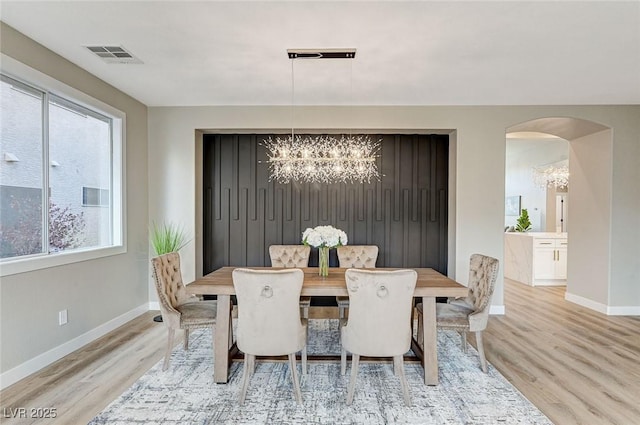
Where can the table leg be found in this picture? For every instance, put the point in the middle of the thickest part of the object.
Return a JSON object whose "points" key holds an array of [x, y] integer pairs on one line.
{"points": [[221, 343], [430, 338]]}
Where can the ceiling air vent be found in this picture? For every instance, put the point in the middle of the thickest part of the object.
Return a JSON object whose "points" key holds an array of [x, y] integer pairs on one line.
{"points": [[113, 54]]}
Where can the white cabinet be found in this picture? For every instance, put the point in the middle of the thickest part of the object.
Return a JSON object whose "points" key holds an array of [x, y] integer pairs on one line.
{"points": [[561, 259], [544, 257], [549, 260], [536, 258]]}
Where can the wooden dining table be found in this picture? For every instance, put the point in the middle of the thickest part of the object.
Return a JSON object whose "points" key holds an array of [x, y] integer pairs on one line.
{"points": [[430, 284]]}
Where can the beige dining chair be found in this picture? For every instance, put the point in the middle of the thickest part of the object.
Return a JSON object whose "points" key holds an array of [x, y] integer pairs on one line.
{"points": [[289, 256], [355, 256], [379, 323], [269, 322], [471, 313], [179, 309]]}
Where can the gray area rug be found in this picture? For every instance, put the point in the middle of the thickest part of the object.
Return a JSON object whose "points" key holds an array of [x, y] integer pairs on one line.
{"points": [[186, 393]]}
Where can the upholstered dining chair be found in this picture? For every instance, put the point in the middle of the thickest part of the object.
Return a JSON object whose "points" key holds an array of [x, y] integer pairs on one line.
{"points": [[289, 256], [179, 309], [355, 256], [269, 322], [471, 313], [379, 323]]}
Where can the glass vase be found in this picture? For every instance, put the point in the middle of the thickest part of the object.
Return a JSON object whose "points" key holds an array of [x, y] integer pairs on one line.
{"points": [[323, 261]]}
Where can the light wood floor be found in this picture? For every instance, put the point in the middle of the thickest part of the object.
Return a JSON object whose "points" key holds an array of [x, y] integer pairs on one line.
{"points": [[83, 383], [577, 366]]}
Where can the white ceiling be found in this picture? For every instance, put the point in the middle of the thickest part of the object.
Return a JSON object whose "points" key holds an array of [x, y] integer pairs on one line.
{"points": [[408, 53]]}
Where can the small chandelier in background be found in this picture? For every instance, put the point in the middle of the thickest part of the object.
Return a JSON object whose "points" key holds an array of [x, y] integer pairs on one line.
{"points": [[322, 158], [551, 176]]}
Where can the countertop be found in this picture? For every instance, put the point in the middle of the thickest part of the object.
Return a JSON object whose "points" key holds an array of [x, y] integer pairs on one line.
{"points": [[553, 235]]}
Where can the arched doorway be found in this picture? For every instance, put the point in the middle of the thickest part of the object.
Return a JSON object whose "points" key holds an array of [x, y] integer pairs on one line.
{"points": [[590, 162]]}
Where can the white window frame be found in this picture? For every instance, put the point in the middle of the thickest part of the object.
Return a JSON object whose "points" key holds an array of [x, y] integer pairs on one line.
{"points": [[10, 266]]}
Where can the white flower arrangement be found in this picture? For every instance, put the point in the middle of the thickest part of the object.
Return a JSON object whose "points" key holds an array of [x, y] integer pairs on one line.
{"points": [[324, 236]]}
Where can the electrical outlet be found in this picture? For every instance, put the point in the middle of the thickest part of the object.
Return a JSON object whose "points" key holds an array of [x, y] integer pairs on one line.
{"points": [[62, 317]]}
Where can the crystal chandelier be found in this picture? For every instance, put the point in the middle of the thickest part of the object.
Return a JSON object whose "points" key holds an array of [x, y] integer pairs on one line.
{"points": [[321, 158], [551, 176]]}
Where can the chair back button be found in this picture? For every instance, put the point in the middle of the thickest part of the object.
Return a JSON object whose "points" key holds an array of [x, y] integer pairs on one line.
{"points": [[267, 291], [382, 291]]}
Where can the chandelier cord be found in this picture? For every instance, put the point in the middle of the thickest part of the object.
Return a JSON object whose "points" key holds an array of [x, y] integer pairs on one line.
{"points": [[351, 97], [292, 98]]}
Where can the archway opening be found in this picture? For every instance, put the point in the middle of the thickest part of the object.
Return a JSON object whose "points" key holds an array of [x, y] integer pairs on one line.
{"points": [[583, 262]]}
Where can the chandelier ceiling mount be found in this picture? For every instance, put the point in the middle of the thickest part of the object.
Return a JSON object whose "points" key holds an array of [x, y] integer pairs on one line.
{"points": [[321, 53]]}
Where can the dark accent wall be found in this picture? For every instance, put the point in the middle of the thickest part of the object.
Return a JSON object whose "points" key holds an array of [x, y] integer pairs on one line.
{"points": [[405, 213]]}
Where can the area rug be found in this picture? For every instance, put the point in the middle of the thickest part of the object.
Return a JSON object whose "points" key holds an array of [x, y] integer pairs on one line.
{"points": [[186, 393]]}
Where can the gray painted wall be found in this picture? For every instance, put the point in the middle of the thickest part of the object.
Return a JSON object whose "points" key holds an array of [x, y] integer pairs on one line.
{"points": [[30, 301], [591, 189]]}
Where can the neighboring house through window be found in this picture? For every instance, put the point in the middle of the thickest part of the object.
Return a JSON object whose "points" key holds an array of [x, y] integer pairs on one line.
{"points": [[60, 159]]}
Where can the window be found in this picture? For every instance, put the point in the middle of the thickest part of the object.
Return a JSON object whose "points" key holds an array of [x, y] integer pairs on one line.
{"points": [[94, 197], [21, 177], [60, 159]]}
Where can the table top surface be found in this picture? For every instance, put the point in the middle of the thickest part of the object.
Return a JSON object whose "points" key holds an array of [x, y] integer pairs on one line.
{"points": [[430, 283]]}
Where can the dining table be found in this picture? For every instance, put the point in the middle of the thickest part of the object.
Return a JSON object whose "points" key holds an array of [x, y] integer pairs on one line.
{"points": [[430, 285]]}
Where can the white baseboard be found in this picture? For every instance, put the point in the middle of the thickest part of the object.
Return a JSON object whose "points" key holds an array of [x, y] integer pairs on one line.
{"points": [[154, 305], [35, 364], [630, 310], [497, 309], [586, 302], [549, 282]]}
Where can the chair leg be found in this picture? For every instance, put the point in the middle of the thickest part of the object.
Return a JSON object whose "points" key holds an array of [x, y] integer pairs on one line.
{"points": [[463, 341], [246, 375], [305, 312], [341, 312], [304, 361], [398, 366], [186, 339], [213, 340], [230, 327], [343, 352], [167, 355], [420, 331], [354, 375], [294, 378], [480, 344]]}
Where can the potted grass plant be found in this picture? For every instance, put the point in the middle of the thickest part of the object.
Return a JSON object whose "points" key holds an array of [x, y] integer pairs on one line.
{"points": [[166, 238]]}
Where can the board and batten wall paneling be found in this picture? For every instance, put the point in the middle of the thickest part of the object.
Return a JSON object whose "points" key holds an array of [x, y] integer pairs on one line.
{"points": [[404, 214]]}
